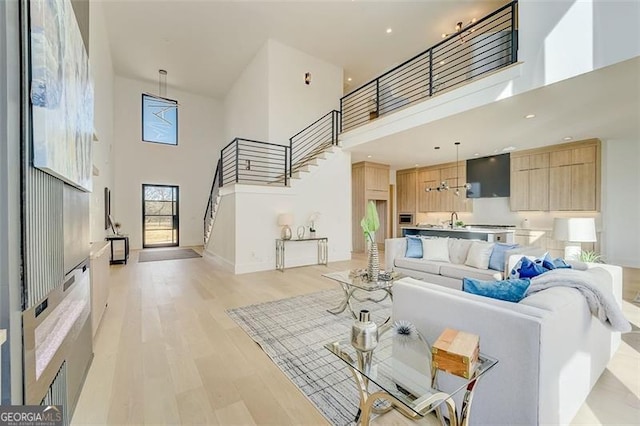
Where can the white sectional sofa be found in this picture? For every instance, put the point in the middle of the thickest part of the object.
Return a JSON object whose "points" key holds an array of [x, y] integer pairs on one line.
{"points": [[550, 349], [449, 274]]}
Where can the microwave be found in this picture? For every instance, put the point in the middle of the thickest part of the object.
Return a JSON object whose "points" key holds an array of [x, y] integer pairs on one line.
{"points": [[405, 218]]}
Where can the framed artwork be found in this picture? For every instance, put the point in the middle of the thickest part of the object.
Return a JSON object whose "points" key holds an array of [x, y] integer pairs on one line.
{"points": [[159, 120], [61, 94]]}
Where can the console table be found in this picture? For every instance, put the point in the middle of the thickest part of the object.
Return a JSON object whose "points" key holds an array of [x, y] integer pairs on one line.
{"points": [[125, 253], [323, 250]]}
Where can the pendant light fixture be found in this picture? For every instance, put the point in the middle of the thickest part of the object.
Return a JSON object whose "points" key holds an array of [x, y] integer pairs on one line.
{"points": [[461, 30], [444, 186]]}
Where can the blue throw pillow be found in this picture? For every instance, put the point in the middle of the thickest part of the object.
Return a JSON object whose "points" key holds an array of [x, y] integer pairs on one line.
{"points": [[497, 259], [546, 262], [414, 247], [527, 268], [512, 290]]}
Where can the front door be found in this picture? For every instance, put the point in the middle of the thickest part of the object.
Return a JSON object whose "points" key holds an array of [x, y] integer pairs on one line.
{"points": [[160, 220]]}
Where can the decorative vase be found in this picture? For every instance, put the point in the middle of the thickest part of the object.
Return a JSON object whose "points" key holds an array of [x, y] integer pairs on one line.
{"points": [[301, 232], [373, 265], [364, 333]]}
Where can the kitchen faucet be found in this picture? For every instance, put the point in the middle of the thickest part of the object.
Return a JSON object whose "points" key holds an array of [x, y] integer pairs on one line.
{"points": [[452, 222]]}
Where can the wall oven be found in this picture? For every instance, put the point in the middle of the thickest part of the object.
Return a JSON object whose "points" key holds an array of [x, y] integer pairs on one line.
{"points": [[405, 219]]}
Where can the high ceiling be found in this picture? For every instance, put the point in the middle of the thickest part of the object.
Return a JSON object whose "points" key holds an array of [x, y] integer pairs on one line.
{"points": [[204, 45]]}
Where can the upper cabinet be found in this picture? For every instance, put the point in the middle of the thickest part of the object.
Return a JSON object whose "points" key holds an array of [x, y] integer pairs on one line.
{"points": [[558, 178], [411, 184], [406, 190], [574, 178], [529, 181]]}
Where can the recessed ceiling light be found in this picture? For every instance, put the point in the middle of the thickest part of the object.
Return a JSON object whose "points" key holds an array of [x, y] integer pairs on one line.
{"points": [[441, 62], [416, 165], [368, 156], [475, 154], [389, 30], [349, 79], [567, 138], [530, 116], [508, 148], [495, 151]]}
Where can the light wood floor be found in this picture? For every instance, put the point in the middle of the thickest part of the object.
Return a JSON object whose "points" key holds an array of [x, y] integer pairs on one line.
{"points": [[166, 352]]}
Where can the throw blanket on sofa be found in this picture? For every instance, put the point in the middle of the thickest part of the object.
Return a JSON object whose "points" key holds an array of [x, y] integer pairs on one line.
{"points": [[601, 302]]}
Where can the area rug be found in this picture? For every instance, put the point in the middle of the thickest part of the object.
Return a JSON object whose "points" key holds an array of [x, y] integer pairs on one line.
{"points": [[155, 255], [293, 331]]}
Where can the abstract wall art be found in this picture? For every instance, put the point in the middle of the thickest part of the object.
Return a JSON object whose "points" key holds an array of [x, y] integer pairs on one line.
{"points": [[61, 94]]}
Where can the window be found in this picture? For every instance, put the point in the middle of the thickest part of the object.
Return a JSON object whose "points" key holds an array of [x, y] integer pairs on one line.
{"points": [[159, 120]]}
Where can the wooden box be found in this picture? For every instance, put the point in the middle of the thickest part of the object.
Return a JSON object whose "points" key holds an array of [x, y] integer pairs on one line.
{"points": [[456, 352]]}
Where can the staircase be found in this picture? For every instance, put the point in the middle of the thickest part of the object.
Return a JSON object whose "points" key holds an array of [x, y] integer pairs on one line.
{"points": [[263, 163], [212, 204]]}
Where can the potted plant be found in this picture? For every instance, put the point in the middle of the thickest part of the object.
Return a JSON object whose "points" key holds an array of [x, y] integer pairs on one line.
{"points": [[370, 224]]}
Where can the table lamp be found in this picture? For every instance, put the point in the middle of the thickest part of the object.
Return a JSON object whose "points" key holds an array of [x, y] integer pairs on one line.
{"points": [[574, 231], [285, 220]]}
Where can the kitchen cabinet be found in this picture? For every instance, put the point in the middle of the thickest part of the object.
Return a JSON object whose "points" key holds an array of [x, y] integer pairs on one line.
{"points": [[529, 182], [574, 178], [369, 182], [406, 191], [442, 201], [558, 178]]}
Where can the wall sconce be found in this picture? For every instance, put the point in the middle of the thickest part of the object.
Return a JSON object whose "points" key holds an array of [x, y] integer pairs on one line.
{"points": [[307, 78], [460, 30]]}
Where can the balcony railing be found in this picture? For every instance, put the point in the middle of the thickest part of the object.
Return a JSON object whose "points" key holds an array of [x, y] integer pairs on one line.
{"points": [[254, 162], [482, 47]]}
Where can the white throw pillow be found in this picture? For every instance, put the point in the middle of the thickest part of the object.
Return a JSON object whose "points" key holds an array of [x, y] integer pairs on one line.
{"points": [[435, 249], [479, 255]]}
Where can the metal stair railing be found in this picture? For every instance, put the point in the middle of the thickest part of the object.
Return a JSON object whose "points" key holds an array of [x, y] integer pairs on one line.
{"points": [[212, 204], [488, 44], [313, 140]]}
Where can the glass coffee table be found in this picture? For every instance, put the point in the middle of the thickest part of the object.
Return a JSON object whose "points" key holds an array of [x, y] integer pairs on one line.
{"points": [[402, 371], [351, 282]]}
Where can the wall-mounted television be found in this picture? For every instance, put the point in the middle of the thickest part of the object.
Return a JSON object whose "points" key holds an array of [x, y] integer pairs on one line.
{"points": [[489, 176]]}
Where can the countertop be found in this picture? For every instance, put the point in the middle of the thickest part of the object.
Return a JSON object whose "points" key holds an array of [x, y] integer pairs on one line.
{"points": [[477, 230]]}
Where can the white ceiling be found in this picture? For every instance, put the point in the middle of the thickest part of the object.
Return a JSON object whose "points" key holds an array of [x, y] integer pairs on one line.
{"points": [[204, 45], [602, 104]]}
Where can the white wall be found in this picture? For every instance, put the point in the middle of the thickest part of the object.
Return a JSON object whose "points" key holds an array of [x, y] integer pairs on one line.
{"points": [[559, 40], [246, 109], [255, 210], [190, 164], [621, 201], [222, 241], [270, 102], [103, 83], [293, 105]]}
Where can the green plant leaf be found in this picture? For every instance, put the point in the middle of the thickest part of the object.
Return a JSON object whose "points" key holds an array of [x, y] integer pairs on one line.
{"points": [[370, 222], [591, 257]]}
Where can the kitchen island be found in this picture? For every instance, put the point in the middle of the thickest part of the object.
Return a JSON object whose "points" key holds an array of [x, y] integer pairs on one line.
{"points": [[502, 235]]}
